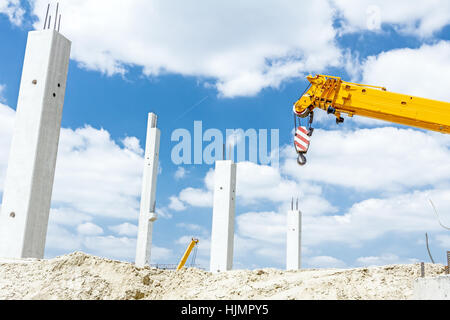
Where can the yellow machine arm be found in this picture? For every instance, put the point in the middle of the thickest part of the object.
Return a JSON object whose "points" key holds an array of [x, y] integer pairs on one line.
{"points": [[339, 97], [187, 253]]}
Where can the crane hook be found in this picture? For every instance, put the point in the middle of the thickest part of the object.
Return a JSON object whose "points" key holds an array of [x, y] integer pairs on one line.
{"points": [[302, 138], [301, 159]]}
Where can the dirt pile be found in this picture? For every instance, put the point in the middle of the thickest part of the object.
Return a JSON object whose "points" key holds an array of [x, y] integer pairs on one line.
{"points": [[82, 276]]}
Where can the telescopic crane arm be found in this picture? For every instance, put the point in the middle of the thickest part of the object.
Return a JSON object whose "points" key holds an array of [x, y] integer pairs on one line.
{"points": [[339, 97]]}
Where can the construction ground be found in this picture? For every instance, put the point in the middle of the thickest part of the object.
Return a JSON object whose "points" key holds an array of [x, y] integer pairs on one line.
{"points": [[80, 276]]}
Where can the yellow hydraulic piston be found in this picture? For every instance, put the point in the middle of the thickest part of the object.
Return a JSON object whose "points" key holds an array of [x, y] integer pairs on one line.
{"points": [[340, 97], [187, 253]]}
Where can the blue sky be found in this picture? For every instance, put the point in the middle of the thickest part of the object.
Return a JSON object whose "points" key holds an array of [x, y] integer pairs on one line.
{"points": [[364, 193]]}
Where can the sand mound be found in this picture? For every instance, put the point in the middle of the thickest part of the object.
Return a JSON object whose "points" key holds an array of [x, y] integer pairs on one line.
{"points": [[82, 276]]}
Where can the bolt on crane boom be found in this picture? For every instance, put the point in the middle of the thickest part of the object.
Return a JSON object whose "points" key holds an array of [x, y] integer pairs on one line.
{"points": [[339, 97]]}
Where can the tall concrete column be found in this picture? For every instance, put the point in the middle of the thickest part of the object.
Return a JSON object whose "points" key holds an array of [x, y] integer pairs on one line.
{"points": [[32, 159], [222, 235], [293, 239], [148, 195]]}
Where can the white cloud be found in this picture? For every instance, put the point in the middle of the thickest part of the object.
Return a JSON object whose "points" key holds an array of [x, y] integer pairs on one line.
{"points": [[325, 262], [13, 10], [421, 18], [161, 255], [256, 184], [262, 226], [2, 90], [92, 172], [132, 144], [125, 229], [110, 246], [163, 213], [68, 217], [89, 229], [381, 159], [384, 259], [250, 252], [443, 240], [180, 173], [176, 204], [411, 71], [190, 226], [61, 239], [368, 220], [122, 248], [240, 47], [196, 197], [408, 213]]}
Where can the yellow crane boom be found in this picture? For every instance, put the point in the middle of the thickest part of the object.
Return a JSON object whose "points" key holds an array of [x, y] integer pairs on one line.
{"points": [[339, 97], [187, 253]]}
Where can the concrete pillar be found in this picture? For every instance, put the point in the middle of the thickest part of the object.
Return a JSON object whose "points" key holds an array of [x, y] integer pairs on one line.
{"points": [[293, 239], [148, 195], [222, 235], [432, 288], [32, 159]]}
